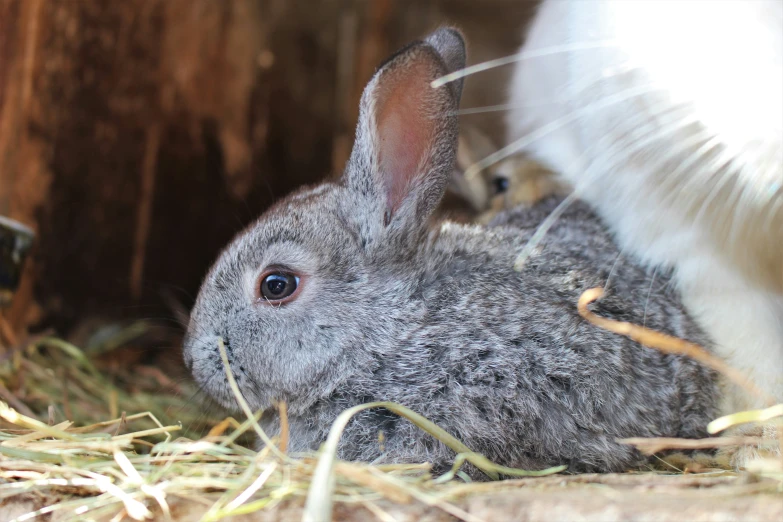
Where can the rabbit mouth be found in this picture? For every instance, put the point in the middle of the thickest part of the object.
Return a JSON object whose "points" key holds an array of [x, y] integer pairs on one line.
{"points": [[211, 374], [219, 387]]}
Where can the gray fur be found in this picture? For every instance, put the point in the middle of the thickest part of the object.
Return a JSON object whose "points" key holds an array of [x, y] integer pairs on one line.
{"points": [[436, 319]]}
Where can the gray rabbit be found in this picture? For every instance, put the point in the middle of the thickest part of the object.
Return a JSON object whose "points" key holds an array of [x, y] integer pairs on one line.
{"points": [[346, 293]]}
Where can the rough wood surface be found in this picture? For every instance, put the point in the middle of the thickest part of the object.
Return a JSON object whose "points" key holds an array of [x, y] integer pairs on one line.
{"points": [[600, 498]]}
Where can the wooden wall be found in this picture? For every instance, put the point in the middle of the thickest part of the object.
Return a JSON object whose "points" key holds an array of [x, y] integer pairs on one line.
{"points": [[137, 137]]}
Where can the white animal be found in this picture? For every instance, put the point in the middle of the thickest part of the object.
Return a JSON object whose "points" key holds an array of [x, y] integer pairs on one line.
{"points": [[667, 116]]}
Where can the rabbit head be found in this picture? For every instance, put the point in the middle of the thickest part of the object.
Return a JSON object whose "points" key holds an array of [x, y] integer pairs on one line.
{"points": [[517, 180], [336, 253]]}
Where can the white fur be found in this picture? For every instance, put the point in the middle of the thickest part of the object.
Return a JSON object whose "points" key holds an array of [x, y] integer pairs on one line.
{"points": [[668, 117]]}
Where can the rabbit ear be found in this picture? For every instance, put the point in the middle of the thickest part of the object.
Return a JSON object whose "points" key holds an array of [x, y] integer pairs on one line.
{"points": [[406, 137], [450, 45]]}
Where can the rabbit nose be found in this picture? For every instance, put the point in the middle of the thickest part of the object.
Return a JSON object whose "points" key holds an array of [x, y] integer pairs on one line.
{"points": [[190, 346]]}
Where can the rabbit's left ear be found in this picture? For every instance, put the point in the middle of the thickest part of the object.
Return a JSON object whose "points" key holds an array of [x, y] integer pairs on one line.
{"points": [[406, 139]]}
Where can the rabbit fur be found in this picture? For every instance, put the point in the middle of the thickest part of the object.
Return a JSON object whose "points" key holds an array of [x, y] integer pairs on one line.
{"points": [[667, 117], [390, 308]]}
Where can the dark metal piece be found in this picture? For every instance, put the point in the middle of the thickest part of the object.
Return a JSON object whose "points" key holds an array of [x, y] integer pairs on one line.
{"points": [[15, 241]]}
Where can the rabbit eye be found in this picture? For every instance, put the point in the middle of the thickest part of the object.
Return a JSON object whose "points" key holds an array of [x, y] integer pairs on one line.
{"points": [[500, 184], [278, 286]]}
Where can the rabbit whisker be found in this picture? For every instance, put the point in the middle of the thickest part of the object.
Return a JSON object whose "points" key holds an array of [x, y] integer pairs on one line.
{"points": [[524, 55], [549, 128]]}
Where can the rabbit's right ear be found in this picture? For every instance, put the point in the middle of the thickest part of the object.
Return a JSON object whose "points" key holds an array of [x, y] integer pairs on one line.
{"points": [[406, 139]]}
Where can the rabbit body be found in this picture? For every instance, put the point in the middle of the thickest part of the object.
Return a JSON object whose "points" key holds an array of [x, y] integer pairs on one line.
{"points": [[667, 117], [385, 307], [502, 359]]}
